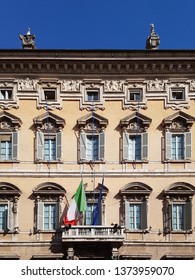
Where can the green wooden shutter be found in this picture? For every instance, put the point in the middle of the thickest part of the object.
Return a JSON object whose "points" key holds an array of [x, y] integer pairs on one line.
{"points": [[101, 145], [10, 216], [40, 215], [144, 137], [144, 223], [40, 145], [168, 137], [59, 145], [82, 146], [125, 145], [15, 145], [188, 215], [188, 144]]}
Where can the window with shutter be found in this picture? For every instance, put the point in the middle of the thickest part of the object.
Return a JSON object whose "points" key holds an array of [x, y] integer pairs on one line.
{"points": [[178, 201], [135, 206], [178, 138]]}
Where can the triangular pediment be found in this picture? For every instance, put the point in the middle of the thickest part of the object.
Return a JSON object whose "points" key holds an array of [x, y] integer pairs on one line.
{"points": [[136, 118], [49, 117], [10, 119], [92, 117], [179, 116]]}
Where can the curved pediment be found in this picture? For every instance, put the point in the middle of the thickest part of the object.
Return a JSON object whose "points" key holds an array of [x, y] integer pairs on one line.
{"points": [[9, 189], [48, 189], [136, 188], [180, 188]]}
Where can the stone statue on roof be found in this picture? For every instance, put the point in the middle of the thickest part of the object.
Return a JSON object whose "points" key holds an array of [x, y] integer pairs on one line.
{"points": [[28, 40], [153, 41]]}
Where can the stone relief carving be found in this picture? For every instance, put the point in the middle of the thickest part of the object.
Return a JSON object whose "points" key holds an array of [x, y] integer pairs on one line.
{"points": [[5, 125], [70, 85], [27, 85], [155, 85], [192, 85], [113, 86]]}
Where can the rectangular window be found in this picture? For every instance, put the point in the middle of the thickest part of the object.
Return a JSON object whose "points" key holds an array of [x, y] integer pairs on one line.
{"points": [[135, 216], [6, 94], [135, 147], [178, 217], [6, 149], [50, 95], [135, 95], [49, 148], [89, 215], [92, 147], [49, 216], [92, 95], [177, 146], [178, 94], [3, 216], [9, 146]]}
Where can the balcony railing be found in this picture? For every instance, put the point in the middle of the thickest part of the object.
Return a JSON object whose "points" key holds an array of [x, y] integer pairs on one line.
{"points": [[93, 233]]}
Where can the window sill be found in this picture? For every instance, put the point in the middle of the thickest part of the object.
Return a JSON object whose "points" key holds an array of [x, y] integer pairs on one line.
{"points": [[136, 230], [9, 161], [92, 161], [48, 161], [189, 231], [135, 161], [177, 161]]}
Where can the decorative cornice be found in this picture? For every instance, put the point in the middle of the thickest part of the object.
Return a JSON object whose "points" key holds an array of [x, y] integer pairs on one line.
{"points": [[102, 62]]}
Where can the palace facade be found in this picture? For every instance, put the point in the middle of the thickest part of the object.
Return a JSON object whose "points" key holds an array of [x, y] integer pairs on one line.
{"points": [[127, 116]]}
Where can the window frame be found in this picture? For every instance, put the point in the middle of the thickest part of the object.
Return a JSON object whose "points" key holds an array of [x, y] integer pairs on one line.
{"points": [[14, 146], [10, 95], [83, 146], [143, 215], [143, 146], [187, 146], [91, 91], [41, 217], [135, 92]]}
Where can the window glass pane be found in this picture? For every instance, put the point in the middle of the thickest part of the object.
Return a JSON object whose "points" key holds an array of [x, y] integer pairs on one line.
{"points": [[178, 217], [5, 94], [6, 150], [50, 149], [49, 216], [92, 147], [135, 147], [92, 95], [3, 216], [135, 216], [89, 215], [177, 146]]}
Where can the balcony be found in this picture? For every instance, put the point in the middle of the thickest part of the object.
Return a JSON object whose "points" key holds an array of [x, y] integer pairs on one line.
{"points": [[93, 233]]}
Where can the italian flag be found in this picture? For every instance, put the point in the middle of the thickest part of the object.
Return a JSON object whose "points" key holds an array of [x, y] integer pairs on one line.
{"points": [[77, 206]]}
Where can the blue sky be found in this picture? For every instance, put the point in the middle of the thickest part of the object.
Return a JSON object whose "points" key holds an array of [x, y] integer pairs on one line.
{"points": [[98, 24]]}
